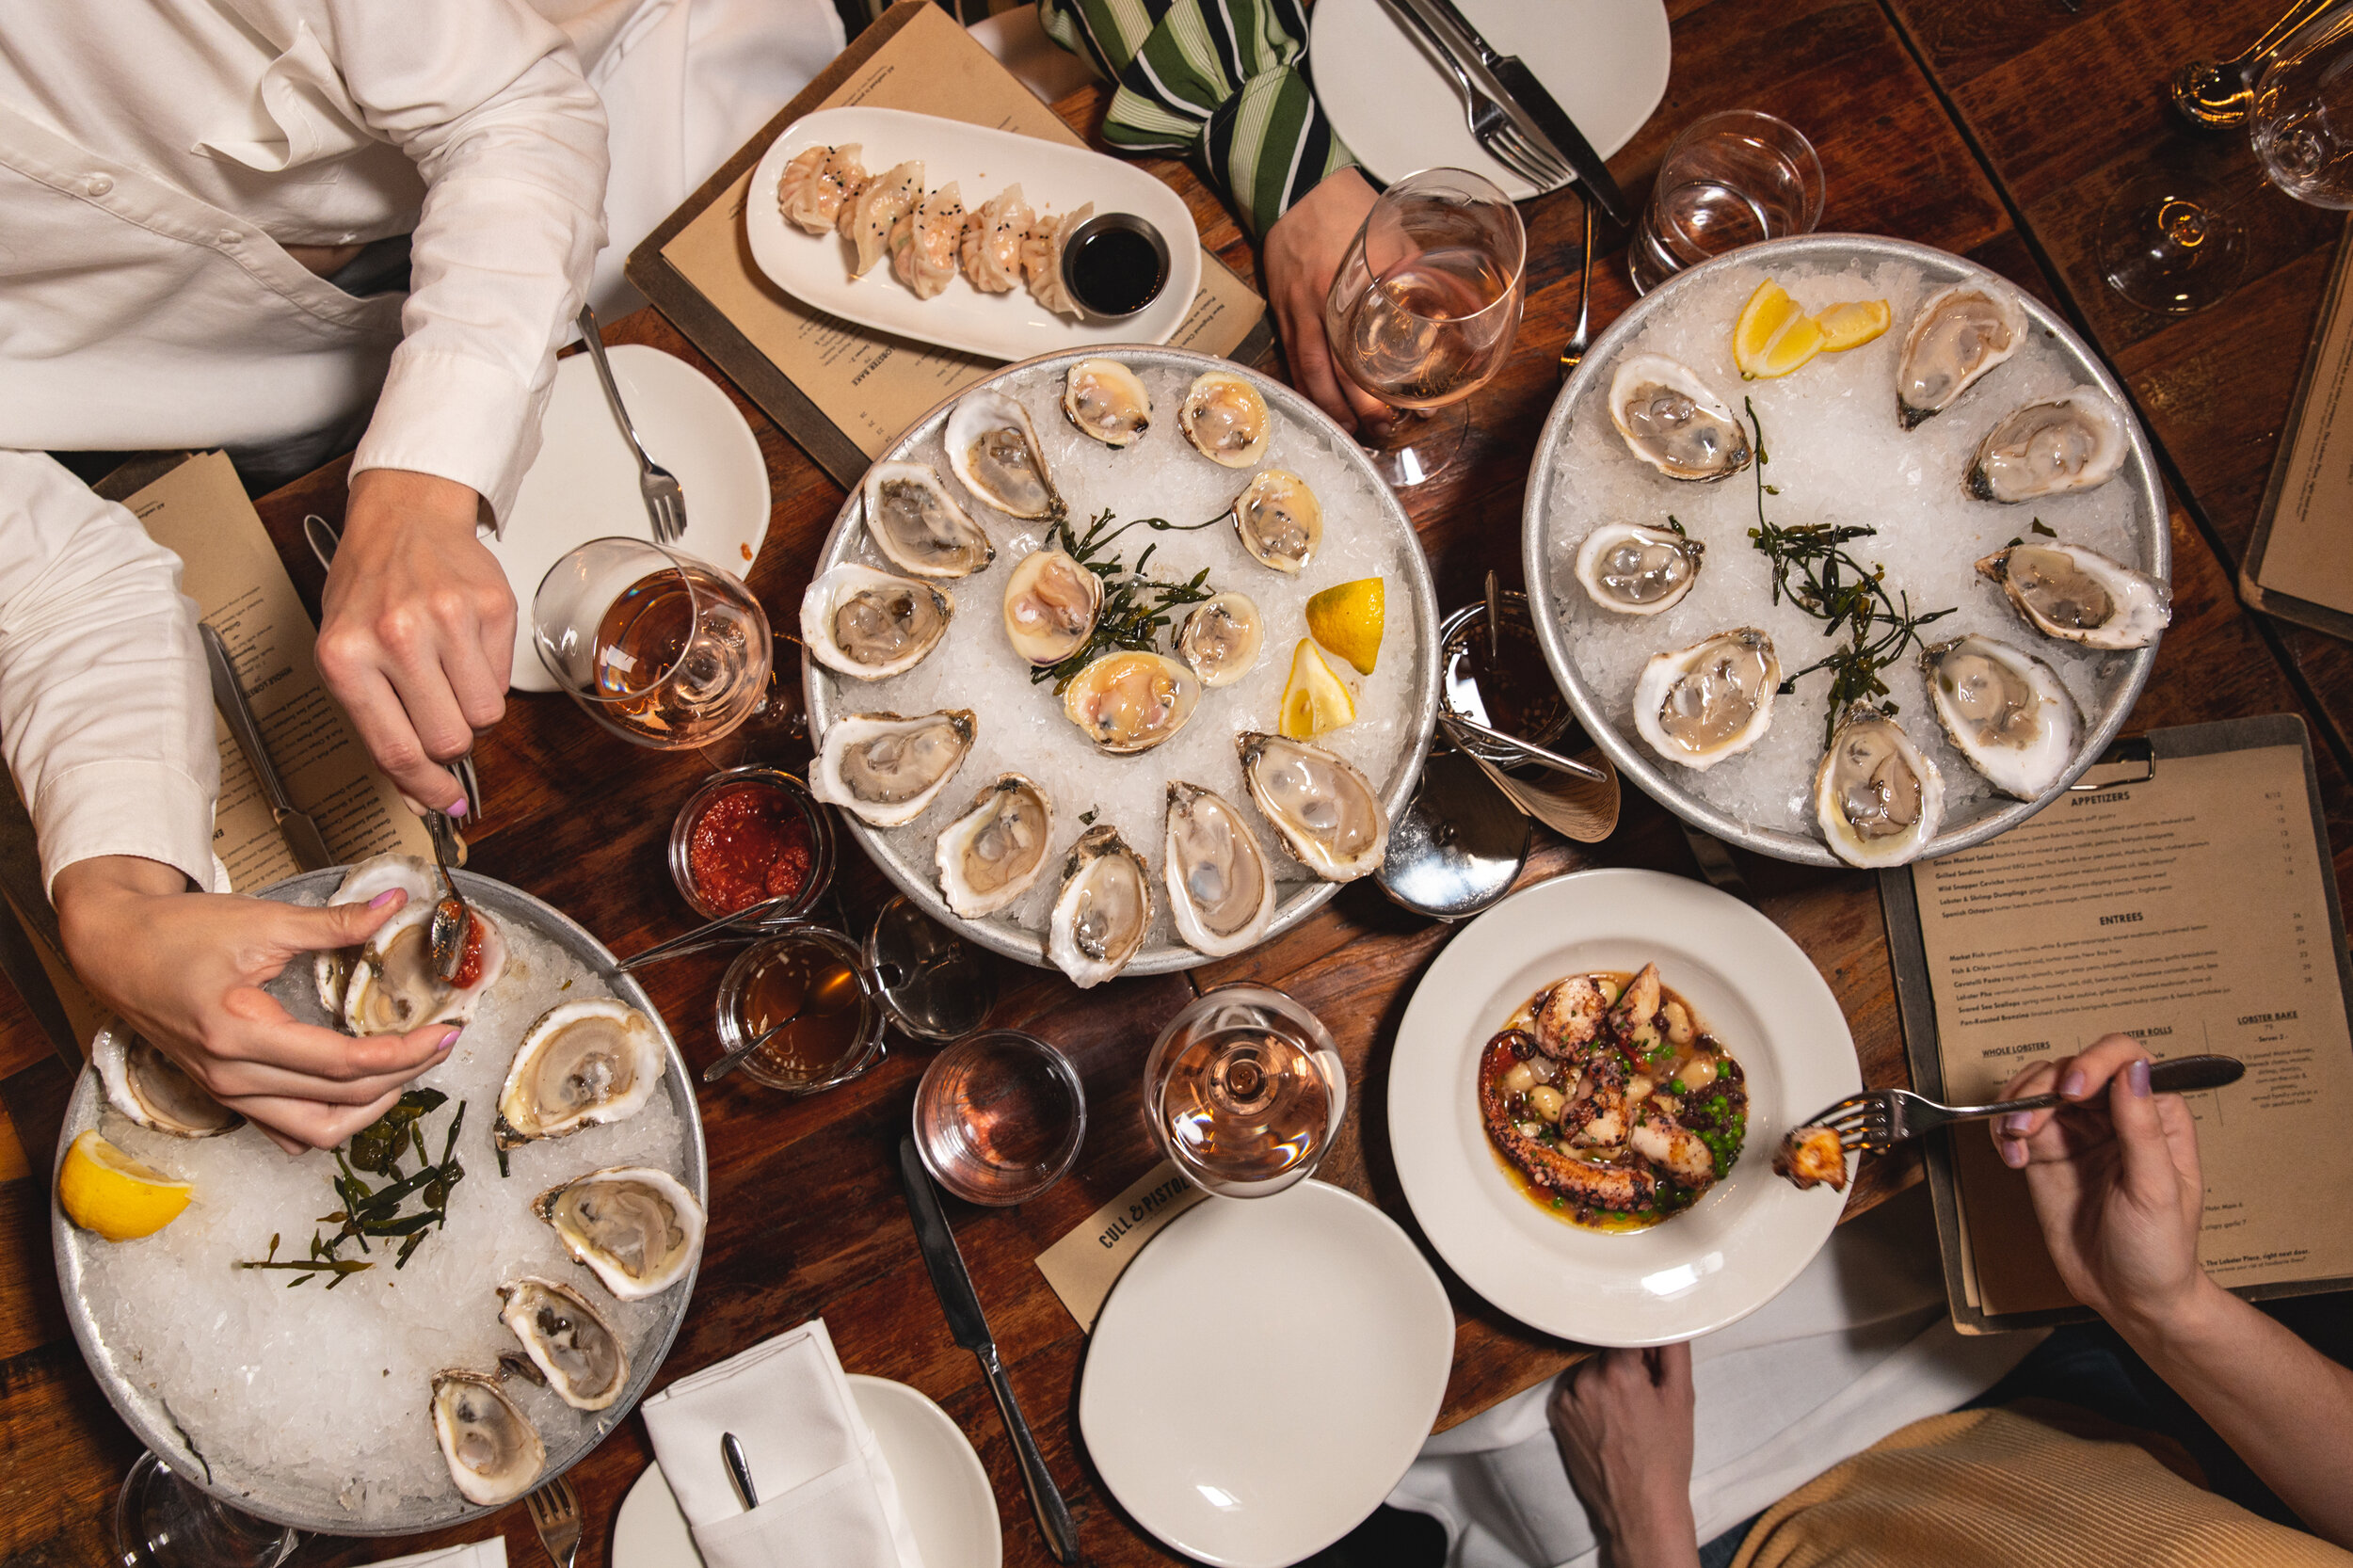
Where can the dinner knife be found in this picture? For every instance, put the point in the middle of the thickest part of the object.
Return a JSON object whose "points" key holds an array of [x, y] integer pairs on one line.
{"points": [[1519, 89], [969, 1325], [301, 833]]}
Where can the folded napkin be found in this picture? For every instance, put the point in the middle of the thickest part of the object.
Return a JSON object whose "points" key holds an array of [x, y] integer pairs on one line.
{"points": [[827, 1496], [482, 1554]]}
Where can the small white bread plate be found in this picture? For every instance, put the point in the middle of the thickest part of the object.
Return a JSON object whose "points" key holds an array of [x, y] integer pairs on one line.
{"points": [[1604, 61], [1053, 176], [1755, 989], [584, 484], [941, 1484], [1263, 1374]]}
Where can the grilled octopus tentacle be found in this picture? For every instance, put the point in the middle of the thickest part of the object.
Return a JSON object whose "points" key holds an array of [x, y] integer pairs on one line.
{"points": [[1591, 1186]]}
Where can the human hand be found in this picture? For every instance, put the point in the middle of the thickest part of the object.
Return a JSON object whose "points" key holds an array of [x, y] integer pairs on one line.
{"points": [[2115, 1181], [1622, 1421], [185, 970], [417, 629], [1300, 256]]}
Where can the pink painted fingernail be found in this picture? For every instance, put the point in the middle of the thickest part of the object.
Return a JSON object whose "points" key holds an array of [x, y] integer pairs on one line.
{"points": [[458, 810], [2013, 1154], [380, 899], [2072, 1086], [450, 1039], [2137, 1078], [2018, 1123]]}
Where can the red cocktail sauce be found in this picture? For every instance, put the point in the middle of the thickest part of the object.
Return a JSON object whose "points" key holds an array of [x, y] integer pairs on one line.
{"points": [[470, 957], [750, 844]]}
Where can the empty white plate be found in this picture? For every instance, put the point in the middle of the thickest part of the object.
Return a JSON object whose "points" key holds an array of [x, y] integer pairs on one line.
{"points": [[584, 484], [1263, 1374]]}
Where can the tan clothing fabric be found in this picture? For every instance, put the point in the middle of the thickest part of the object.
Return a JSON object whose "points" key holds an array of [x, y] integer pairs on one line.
{"points": [[1998, 1488]]}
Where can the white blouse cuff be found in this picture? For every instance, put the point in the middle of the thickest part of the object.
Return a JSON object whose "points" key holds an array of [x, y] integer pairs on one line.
{"points": [[458, 417], [149, 809]]}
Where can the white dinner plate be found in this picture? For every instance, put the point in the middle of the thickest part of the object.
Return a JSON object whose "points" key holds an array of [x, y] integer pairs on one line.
{"points": [[1605, 61], [1053, 176], [941, 1484], [1755, 989], [584, 484], [1263, 1374]]}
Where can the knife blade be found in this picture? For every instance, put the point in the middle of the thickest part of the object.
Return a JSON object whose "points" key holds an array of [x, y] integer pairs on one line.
{"points": [[968, 1325], [301, 834], [1519, 89]]}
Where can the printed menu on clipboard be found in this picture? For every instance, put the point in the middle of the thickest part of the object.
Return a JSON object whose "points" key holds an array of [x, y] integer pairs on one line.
{"points": [[2194, 908]]}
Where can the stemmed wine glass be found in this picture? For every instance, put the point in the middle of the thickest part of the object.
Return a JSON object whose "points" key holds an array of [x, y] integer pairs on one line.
{"points": [[2175, 245], [1244, 1090], [1423, 309]]}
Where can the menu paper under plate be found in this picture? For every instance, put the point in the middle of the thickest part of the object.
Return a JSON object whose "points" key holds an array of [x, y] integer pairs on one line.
{"points": [[2297, 565], [1084, 1265]]}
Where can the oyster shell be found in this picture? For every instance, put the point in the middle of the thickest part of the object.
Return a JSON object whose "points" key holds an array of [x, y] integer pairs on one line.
{"points": [[1222, 638], [990, 855], [2074, 442], [1104, 910], [495, 1452], [1877, 797], [1226, 419], [1714, 699], [2067, 591], [1051, 605], [1634, 570], [567, 1340], [994, 448], [582, 1063], [1672, 420], [1221, 890], [919, 525], [394, 987], [1957, 335], [1280, 520], [1132, 701], [149, 1087], [885, 768], [1328, 814], [2006, 711], [365, 881], [639, 1228], [870, 624], [1107, 400]]}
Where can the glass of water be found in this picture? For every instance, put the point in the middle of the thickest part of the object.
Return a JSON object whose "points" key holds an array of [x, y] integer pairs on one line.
{"points": [[164, 1522], [1244, 1089], [999, 1116], [1729, 180]]}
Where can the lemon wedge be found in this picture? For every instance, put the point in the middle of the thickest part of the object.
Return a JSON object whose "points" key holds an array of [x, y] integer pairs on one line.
{"points": [[104, 1190], [1851, 324], [1348, 619], [1314, 699], [1774, 335]]}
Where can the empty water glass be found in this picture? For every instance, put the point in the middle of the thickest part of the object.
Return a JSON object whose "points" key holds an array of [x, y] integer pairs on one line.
{"points": [[164, 1522], [1729, 180]]}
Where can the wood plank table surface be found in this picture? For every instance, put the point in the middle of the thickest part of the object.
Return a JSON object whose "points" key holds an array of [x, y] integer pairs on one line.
{"points": [[1987, 127]]}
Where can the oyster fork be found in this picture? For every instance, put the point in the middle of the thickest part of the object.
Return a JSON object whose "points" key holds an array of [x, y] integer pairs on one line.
{"points": [[665, 504], [1877, 1119], [556, 1515], [1573, 352]]}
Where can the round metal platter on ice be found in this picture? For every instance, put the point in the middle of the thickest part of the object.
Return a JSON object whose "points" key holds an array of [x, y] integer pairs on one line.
{"points": [[247, 1481], [1411, 636], [1556, 513]]}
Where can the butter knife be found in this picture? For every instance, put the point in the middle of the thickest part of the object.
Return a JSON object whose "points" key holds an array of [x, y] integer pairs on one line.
{"points": [[969, 1325], [301, 833]]}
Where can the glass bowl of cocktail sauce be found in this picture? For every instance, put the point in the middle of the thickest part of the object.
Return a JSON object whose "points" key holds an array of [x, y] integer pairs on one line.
{"points": [[1507, 686], [809, 980], [750, 834]]}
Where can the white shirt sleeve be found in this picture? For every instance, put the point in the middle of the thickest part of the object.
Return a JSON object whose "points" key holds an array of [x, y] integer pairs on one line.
{"points": [[490, 102], [105, 708]]}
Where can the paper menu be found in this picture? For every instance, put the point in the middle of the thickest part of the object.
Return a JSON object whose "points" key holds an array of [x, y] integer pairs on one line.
{"points": [[2298, 564]]}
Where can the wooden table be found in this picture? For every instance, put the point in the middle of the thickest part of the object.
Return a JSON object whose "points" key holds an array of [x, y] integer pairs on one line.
{"points": [[1987, 127]]}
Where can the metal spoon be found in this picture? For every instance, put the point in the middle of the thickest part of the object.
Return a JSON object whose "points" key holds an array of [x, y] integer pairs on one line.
{"points": [[718, 933], [451, 917], [734, 1059], [1552, 759]]}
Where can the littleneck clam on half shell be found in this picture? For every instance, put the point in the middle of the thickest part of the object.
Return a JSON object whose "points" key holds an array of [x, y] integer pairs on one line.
{"points": [[2081, 596], [1221, 889], [1714, 699], [149, 1087], [1958, 335], [885, 768], [919, 526], [2069, 443], [1051, 605], [1279, 519], [991, 854], [394, 986], [1877, 797], [639, 1228], [870, 624], [994, 448], [567, 1340], [1108, 401], [1674, 422], [1632, 571], [1327, 814], [1132, 701], [1222, 638], [2006, 711], [1226, 419], [582, 1063], [495, 1452], [1104, 910]]}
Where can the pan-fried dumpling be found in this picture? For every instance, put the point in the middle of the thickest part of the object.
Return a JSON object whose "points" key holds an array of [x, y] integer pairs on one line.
{"points": [[924, 242], [866, 221], [1041, 258], [992, 244], [819, 185]]}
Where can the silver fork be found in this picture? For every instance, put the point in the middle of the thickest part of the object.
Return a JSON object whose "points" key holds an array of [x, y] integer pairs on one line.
{"points": [[1877, 1119], [555, 1513], [665, 504], [1489, 125], [1573, 352]]}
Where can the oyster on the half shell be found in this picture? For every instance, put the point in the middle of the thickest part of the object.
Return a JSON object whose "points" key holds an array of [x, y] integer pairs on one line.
{"points": [[1633, 571], [994, 448], [1877, 797], [1674, 422], [495, 1454], [2007, 712], [149, 1087], [870, 624], [919, 526], [990, 855], [1226, 419], [567, 1340], [582, 1063], [365, 881], [639, 1228], [394, 986], [1957, 335], [1132, 701], [1714, 699], [2068, 443], [1051, 605], [1221, 889], [1107, 400], [2081, 596], [1104, 910], [1327, 814], [885, 768]]}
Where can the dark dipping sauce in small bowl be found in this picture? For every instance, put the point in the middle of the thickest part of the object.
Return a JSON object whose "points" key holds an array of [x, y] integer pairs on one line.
{"points": [[1116, 272], [1514, 694], [806, 980]]}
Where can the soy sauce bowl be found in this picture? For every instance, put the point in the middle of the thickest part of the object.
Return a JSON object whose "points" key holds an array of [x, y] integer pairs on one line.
{"points": [[1109, 275]]}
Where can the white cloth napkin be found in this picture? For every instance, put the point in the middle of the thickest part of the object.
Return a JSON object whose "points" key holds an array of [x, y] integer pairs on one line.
{"points": [[826, 1496], [482, 1554]]}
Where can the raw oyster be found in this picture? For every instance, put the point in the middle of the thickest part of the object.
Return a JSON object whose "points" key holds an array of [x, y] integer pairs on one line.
{"points": [[1104, 910], [870, 624], [1051, 605], [1636, 570], [639, 1228], [1280, 520], [1714, 699], [567, 1340], [918, 524], [2005, 710], [582, 1063], [394, 987], [149, 1087], [989, 855], [1673, 421], [1957, 335], [2064, 590], [1132, 701], [1877, 797], [1221, 890], [1227, 418], [1107, 400], [1222, 638], [885, 768], [1328, 814], [2069, 443], [995, 451], [365, 883], [495, 1452]]}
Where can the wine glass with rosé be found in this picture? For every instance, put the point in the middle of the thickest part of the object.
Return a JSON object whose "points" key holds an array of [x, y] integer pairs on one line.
{"points": [[1244, 1090]]}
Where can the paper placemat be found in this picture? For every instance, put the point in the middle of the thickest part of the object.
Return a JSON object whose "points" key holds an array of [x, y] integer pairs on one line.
{"points": [[1084, 1265]]}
